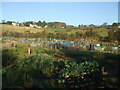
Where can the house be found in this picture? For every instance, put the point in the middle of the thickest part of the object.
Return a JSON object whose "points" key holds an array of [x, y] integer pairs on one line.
{"points": [[14, 24], [45, 26], [119, 26], [33, 25]]}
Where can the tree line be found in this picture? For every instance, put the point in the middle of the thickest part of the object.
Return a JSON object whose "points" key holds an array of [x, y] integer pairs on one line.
{"points": [[57, 25]]}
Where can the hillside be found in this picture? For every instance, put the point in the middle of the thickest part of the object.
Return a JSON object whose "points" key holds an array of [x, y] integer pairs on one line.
{"points": [[101, 31], [20, 29]]}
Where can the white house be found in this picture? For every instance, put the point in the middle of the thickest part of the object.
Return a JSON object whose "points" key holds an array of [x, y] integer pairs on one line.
{"points": [[45, 26], [33, 25], [119, 26], [14, 24]]}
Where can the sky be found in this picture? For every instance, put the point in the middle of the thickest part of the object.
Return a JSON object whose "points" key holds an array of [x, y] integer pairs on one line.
{"points": [[72, 13]]}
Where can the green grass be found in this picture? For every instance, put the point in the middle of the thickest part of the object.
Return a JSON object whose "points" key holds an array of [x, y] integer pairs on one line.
{"points": [[22, 50], [103, 32], [52, 29], [55, 29]]}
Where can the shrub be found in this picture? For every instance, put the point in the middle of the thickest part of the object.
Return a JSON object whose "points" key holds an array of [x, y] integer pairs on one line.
{"points": [[47, 65], [8, 57]]}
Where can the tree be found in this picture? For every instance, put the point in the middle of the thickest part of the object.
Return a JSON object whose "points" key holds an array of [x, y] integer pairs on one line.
{"points": [[104, 24], [61, 35], [79, 26], [117, 35], [39, 23], [78, 35], [28, 23], [89, 33], [3, 22], [115, 24], [72, 36], [112, 34], [50, 35], [9, 22], [104, 39], [43, 24]]}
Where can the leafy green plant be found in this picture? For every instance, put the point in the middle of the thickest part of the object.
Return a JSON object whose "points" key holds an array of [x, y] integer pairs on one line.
{"points": [[88, 67], [77, 72], [71, 68], [12, 77], [48, 65], [38, 52]]}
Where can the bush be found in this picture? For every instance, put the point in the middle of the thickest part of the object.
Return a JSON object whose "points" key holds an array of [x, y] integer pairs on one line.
{"points": [[8, 57], [47, 66]]}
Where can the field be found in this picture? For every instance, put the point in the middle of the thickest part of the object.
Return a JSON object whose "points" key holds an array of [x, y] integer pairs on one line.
{"points": [[102, 32], [60, 67], [60, 45], [33, 63]]}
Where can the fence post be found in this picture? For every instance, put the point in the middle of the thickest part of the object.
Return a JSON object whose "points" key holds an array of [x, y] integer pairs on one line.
{"points": [[103, 71], [29, 51]]}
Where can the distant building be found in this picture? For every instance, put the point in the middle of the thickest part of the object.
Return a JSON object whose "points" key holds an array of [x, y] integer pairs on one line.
{"points": [[33, 25], [119, 26], [14, 24], [45, 26]]}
